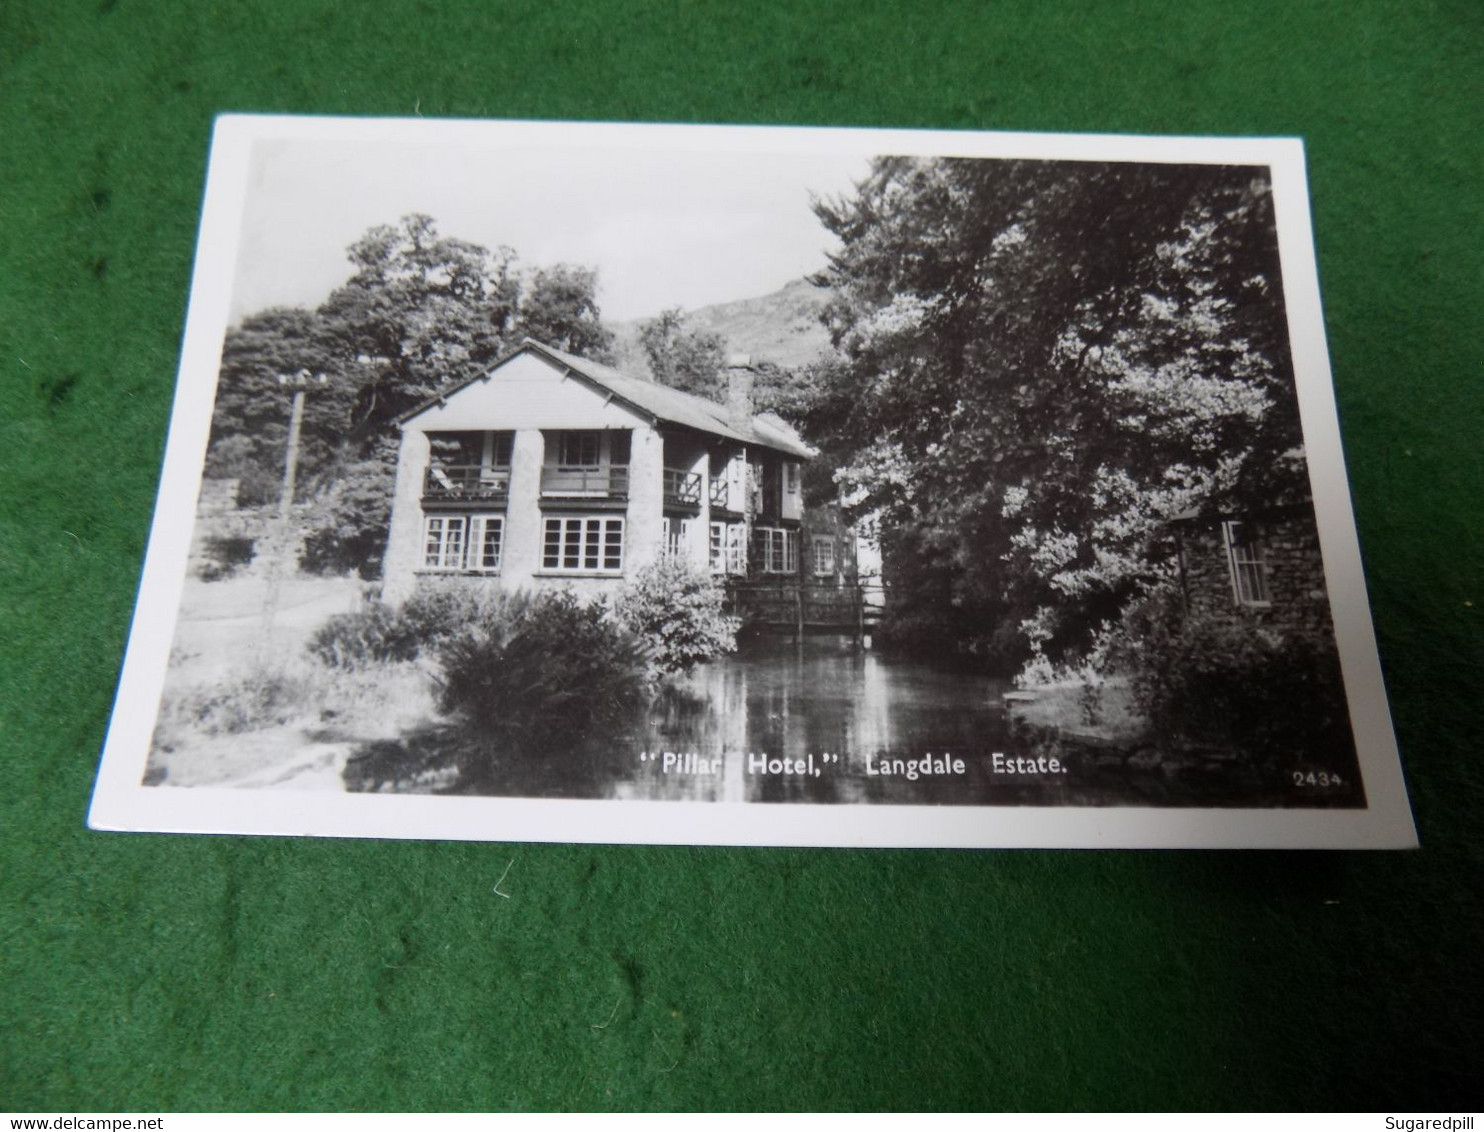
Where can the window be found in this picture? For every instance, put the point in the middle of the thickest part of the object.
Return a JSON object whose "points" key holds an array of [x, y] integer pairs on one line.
{"points": [[790, 477], [578, 450], [463, 542], [677, 535], [777, 550], [1247, 559], [486, 540], [443, 543], [717, 548], [823, 547], [736, 548], [500, 444], [583, 545]]}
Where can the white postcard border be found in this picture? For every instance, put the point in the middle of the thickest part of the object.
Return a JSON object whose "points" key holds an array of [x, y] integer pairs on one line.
{"points": [[121, 803]]}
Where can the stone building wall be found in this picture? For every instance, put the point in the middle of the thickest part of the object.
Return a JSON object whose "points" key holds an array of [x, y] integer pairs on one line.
{"points": [[1298, 601]]}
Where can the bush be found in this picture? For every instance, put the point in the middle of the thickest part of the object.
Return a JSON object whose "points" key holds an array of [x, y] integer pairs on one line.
{"points": [[539, 674], [676, 609], [377, 634], [1233, 684], [224, 556], [347, 526], [259, 699]]}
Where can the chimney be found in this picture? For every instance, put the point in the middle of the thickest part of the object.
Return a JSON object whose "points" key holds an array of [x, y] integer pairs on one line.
{"points": [[740, 377]]}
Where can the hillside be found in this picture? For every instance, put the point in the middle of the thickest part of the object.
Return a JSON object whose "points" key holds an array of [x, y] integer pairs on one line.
{"points": [[782, 327]]}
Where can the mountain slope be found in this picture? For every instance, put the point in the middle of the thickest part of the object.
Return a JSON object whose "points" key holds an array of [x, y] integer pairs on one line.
{"points": [[782, 327]]}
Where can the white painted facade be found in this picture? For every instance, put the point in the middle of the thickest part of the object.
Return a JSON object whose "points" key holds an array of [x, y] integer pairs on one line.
{"points": [[556, 480]]}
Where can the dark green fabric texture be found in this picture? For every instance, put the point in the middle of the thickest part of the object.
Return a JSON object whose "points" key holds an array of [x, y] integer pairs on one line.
{"points": [[178, 973]]}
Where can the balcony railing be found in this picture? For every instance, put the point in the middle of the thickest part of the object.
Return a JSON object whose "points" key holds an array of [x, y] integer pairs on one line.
{"points": [[721, 495], [682, 488], [586, 483], [467, 483]]}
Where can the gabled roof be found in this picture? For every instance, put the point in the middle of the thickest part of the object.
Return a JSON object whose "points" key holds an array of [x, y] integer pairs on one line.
{"points": [[651, 399]]}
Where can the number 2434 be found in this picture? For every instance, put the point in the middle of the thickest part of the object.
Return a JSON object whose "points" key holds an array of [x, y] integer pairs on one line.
{"points": [[1316, 778]]}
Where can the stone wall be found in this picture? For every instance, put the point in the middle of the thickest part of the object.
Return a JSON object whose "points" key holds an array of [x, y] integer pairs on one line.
{"points": [[1298, 600]]}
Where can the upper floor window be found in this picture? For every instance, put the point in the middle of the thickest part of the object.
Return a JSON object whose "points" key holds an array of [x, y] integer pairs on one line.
{"points": [[579, 449], [1247, 559], [790, 477]]}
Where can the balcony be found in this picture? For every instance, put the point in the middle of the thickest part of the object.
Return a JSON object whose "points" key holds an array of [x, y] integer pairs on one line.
{"points": [[466, 483], [682, 488], [585, 483], [721, 495]]}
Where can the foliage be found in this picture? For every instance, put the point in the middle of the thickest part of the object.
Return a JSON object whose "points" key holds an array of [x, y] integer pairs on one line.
{"points": [[561, 310], [262, 697], [377, 634], [1042, 362], [538, 673], [347, 525], [1229, 683], [420, 311], [685, 359], [224, 556], [676, 608]]}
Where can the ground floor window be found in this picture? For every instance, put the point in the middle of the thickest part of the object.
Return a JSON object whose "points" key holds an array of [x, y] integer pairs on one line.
{"points": [[823, 547], [728, 548], [777, 550], [1247, 558], [463, 542], [677, 536], [576, 544]]}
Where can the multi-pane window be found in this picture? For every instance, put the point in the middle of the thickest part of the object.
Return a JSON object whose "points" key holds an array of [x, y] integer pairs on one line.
{"points": [[443, 542], [486, 541], [823, 547], [463, 542], [777, 550], [582, 545], [1248, 562], [578, 450], [677, 535], [736, 548], [717, 548]]}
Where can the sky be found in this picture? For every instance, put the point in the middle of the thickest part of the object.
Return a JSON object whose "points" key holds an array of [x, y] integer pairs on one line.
{"points": [[663, 228]]}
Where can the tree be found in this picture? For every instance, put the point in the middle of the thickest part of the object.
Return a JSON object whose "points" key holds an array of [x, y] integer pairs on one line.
{"points": [[686, 359], [419, 312], [1043, 362], [250, 420], [560, 309]]}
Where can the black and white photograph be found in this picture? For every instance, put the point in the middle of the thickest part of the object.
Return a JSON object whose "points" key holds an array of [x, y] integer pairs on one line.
{"points": [[729, 485]]}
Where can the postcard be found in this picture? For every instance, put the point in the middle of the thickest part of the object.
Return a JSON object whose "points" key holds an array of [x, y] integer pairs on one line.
{"points": [[537, 481]]}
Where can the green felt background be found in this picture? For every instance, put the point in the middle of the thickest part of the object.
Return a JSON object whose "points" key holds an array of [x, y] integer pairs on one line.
{"points": [[150, 972]]}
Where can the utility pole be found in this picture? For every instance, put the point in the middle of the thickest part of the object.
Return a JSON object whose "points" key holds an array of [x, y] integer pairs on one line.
{"points": [[299, 384]]}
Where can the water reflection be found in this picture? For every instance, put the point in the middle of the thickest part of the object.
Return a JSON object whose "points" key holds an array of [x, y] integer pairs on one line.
{"points": [[813, 721], [821, 721]]}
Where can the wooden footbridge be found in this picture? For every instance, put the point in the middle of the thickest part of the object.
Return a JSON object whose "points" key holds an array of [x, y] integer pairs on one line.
{"points": [[788, 605]]}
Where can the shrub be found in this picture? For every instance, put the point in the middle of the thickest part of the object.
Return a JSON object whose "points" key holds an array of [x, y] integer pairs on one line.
{"points": [[346, 528], [676, 609], [539, 674], [1233, 683], [224, 556], [258, 699], [377, 634]]}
